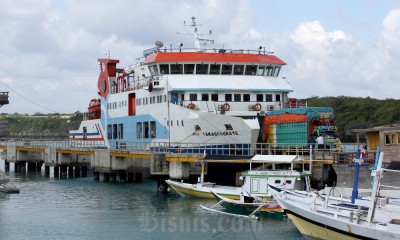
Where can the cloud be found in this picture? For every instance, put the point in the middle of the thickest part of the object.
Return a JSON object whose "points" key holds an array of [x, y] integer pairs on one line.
{"points": [[49, 48]]}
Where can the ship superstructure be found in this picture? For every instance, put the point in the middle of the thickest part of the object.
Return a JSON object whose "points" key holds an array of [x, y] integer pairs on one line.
{"points": [[199, 96]]}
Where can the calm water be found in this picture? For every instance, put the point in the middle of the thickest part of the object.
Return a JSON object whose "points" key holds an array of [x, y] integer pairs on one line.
{"points": [[80, 208]]}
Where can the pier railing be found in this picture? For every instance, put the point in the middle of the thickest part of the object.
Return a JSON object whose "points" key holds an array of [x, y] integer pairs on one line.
{"points": [[346, 154]]}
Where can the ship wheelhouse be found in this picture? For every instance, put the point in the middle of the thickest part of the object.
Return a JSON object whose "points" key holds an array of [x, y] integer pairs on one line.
{"points": [[237, 83]]}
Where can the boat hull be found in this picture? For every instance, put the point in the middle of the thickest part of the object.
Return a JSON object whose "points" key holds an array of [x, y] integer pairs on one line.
{"points": [[192, 191], [270, 209], [319, 230], [314, 220]]}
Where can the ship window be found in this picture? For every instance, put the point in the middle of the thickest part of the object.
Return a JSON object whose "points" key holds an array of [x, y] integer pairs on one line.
{"points": [[176, 69], [155, 70], [288, 182], [238, 97], [201, 68], [228, 127], [226, 69], [109, 131], [214, 97], [246, 97], [120, 131], [254, 184], [152, 129], [154, 99], [182, 123], [189, 68], [238, 70], [193, 97], [215, 68], [138, 130], [151, 100], [164, 68], [277, 70], [165, 98], [115, 131], [268, 97], [277, 97], [251, 70], [260, 70], [177, 123], [260, 98], [268, 71], [228, 97], [204, 96], [146, 129], [277, 181], [171, 123], [197, 128]]}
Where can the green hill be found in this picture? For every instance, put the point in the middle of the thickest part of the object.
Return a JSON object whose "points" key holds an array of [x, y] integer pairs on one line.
{"points": [[355, 113], [43, 124]]}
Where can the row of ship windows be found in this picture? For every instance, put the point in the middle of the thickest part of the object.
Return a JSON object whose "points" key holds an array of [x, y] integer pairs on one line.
{"points": [[144, 130], [215, 69], [147, 129], [151, 100], [195, 97], [237, 97], [139, 101]]}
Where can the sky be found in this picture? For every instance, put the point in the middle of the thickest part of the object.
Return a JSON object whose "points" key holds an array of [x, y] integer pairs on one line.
{"points": [[49, 48]]}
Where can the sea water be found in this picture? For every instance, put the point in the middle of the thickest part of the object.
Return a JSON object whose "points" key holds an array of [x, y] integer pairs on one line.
{"points": [[81, 208]]}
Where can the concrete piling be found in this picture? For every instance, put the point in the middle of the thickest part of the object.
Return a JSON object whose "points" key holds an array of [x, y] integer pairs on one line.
{"points": [[96, 176], [77, 171], [56, 172], [47, 171]]}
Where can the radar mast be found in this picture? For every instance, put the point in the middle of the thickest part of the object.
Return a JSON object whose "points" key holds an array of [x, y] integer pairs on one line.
{"points": [[199, 41]]}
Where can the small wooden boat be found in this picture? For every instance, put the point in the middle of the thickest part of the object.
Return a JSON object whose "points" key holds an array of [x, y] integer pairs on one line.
{"points": [[247, 207], [5, 187], [255, 181]]}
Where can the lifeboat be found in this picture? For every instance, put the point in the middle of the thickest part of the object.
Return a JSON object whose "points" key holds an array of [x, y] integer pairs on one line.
{"points": [[94, 109]]}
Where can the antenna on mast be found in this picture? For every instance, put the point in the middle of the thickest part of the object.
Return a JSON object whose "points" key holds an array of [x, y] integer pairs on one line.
{"points": [[199, 41]]}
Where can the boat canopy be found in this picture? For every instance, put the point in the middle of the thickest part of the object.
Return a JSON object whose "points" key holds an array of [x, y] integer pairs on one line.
{"points": [[311, 112], [231, 83], [276, 159]]}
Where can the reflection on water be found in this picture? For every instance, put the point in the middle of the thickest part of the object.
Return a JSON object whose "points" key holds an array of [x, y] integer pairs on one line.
{"points": [[80, 208]]}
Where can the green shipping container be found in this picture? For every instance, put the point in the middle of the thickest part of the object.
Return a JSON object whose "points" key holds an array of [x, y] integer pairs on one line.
{"points": [[288, 134]]}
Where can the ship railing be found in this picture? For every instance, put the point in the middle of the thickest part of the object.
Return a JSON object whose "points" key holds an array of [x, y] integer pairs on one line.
{"points": [[218, 106], [262, 51], [326, 153], [345, 155]]}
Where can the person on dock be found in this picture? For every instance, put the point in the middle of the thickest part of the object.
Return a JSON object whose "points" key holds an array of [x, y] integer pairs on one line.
{"points": [[311, 142], [320, 142]]}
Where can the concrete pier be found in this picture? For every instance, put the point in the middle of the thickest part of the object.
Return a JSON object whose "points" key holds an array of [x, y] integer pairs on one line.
{"points": [[129, 165]]}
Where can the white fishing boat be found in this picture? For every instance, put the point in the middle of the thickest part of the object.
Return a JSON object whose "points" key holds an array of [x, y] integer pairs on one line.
{"points": [[255, 181], [247, 207], [324, 217], [211, 97]]}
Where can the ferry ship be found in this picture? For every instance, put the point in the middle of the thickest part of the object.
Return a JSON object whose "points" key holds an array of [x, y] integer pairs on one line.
{"points": [[214, 97]]}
